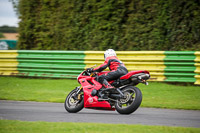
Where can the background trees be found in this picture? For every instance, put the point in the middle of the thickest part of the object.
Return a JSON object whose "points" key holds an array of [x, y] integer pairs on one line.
{"points": [[102, 24]]}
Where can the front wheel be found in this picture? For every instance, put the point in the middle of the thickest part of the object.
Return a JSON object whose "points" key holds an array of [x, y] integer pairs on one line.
{"points": [[131, 100], [74, 102]]}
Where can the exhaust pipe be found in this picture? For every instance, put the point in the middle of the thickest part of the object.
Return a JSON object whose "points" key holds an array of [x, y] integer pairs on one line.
{"points": [[144, 77]]}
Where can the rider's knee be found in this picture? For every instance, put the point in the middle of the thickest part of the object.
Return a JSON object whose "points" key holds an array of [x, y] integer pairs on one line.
{"points": [[101, 78]]}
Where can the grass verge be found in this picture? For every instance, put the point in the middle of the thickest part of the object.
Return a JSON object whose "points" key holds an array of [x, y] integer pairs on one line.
{"points": [[159, 95], [13, 126]]}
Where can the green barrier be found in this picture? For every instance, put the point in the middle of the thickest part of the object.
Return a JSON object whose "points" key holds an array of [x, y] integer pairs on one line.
{"points": [[197, 64], [180, 66], [56, 64], [169, 66]]}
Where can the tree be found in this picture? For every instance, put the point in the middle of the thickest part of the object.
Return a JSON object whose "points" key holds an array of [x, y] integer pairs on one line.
{"points": [[8, 29], [1, 35], [102, 24]]}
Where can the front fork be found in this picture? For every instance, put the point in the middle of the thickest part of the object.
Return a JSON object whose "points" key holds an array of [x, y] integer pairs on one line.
{"points": [[77, 96]]}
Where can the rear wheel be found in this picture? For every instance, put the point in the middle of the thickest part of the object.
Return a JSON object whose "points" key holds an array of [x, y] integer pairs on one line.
{"points": [[74, 102], [131, 101]]}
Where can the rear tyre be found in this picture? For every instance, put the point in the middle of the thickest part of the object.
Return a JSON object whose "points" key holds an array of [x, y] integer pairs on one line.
{"points": [[131, 101], [73, 105]]}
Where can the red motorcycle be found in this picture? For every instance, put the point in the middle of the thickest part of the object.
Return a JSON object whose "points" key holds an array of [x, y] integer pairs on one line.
{"points": [[125, 97]]}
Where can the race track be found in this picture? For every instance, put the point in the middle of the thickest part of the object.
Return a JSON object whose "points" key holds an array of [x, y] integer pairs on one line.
{"points": [[55, 112]]}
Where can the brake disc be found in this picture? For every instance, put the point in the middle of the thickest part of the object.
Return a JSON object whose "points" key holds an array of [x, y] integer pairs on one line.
{"points": [[72, 101], [126, 98]]}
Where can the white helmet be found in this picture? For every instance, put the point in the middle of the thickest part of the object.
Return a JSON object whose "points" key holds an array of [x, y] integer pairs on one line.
{"points": [[109, 52]]}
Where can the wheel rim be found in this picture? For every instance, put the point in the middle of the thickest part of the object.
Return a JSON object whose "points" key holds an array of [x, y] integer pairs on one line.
{"points": [[71, 102], [129, 98]]}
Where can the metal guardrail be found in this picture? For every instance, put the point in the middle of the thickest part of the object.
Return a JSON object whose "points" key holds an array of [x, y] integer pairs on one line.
{"points": [[180, 66], [134, 60], [57, 64], [170, 66], [197, 65], [8, 62]]}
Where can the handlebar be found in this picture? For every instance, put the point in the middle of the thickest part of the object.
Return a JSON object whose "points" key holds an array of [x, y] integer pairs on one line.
{"points": [[92, 73], [89, 74]]}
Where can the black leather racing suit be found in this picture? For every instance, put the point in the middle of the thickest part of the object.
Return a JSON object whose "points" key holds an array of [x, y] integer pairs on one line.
{"points": [[117, 69]]}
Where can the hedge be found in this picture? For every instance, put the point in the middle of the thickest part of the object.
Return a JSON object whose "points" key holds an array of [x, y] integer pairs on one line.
{"points": [[167, 25]]}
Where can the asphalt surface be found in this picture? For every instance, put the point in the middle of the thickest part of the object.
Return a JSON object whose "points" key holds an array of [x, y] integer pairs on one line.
{"points": [[55, 112]]}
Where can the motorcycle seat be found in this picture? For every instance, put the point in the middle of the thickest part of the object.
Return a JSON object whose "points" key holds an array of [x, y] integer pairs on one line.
{"points": [[128, 75]]}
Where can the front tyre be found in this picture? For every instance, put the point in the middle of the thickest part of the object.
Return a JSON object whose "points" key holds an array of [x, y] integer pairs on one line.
{"points": [[74, 102], [131, 101]]}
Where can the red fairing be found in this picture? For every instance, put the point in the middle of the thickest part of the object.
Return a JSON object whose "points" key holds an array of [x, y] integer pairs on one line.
{"points": [[89, 100], [89, 84], [128, 75]]}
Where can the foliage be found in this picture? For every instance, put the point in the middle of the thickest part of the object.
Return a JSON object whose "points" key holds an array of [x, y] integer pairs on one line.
{"points": [[1, 35], [158, 95], [8, 29], [102, 24], [15, 4]]}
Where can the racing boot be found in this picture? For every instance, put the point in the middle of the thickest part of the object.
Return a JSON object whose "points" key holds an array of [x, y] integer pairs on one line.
{"points": [[106, 87]]}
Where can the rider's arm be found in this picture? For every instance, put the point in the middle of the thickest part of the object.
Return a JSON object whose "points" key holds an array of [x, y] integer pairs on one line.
{"points": [[101, 67]]}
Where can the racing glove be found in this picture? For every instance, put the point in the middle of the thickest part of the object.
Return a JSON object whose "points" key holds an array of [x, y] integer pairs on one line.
{"points": [[89, 70]]}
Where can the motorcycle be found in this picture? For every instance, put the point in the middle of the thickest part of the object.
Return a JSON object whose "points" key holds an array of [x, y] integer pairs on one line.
{"points": [[125, 97]]}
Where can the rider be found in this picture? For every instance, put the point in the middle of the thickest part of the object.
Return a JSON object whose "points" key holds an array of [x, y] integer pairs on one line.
{"points": [[117, 68]]}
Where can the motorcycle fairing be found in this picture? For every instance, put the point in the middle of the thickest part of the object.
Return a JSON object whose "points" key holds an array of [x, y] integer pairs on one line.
{"points": [[90, 101]]}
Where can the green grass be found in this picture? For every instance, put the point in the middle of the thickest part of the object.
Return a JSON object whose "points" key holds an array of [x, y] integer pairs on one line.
{"points": [[40, 90], [13, 126], [159, 95], [163, 95]]}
